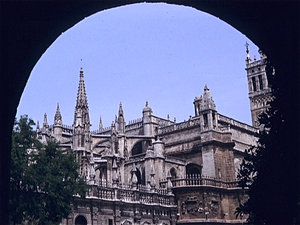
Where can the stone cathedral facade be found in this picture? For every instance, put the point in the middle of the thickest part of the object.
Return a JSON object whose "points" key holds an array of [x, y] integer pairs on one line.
{"points": [[156, 171]]}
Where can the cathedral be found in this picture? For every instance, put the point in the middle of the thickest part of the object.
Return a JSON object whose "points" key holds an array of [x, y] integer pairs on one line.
{"points": [[156, 171]]}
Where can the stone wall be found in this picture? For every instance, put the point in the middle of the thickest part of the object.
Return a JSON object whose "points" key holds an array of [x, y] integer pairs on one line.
{"points": [[208, 204]]}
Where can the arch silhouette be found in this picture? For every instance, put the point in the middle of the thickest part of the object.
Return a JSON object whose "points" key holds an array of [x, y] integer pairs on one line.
{"points": [[140, 147], [80, 220], [29, 28], [193, 169], [173, 173]]}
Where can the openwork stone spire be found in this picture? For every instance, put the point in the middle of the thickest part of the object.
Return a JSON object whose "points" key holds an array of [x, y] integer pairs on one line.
{"points": [[57, 117], [121, 120], [45, 124], [81, 95], [100, 125], [81, 116], [121, 113]]}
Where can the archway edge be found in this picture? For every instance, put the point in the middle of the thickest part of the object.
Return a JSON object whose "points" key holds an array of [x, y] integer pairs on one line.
{"points": [[40, 23], [28, 28]]}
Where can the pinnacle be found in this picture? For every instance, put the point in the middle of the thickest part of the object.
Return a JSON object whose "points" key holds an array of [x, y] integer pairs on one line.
{"points": [[82, 108], [206, 88], [120, 110], [81, 95], [57, 117], [45, 119], [57, 110]]}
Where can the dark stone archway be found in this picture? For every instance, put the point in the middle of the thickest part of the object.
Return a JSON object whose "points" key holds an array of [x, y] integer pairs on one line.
{"points": [[29, 27], [80, 220], [193, 170]]}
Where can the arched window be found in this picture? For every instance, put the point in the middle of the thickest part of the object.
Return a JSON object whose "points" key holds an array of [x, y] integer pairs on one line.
{"points": [[80, 220], [254, 83], [137, 149], [140, 147], [173, 173], [193, 174], [193, 169], [101, 175]]}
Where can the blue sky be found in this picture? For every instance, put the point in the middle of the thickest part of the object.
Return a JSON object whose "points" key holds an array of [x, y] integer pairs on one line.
{"points": [[160, 53]]}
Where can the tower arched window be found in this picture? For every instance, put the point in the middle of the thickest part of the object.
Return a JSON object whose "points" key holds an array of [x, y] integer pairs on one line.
{"points": [[261, 86], [254, 83], [205, 120]]}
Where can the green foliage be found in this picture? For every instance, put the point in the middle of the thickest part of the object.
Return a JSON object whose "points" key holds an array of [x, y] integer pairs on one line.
{"points": [[44, 179], [271, 170]]}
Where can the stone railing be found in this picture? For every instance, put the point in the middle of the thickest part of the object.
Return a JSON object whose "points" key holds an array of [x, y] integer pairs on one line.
{"points": [[254, 63], [67, 129], [236, 123], [103, 131], [162, 122], [126, 193], [180, 126], [134, 124], [136, 158], [197, 180]]}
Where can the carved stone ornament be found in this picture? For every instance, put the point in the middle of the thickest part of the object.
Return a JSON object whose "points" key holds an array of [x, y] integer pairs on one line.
{"points": [[192, 206], [95, 212], [213, 207]]}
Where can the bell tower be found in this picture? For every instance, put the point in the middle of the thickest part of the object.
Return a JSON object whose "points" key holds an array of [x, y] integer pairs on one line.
{"points": [[259, 91]]}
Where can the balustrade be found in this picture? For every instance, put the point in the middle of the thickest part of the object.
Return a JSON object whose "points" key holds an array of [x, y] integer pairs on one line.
{"points": [[197, 180], [104, 190], [180, 126]]}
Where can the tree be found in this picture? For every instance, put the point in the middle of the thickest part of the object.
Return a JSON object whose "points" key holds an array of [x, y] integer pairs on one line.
{"points": [[21, 190], [270, 171], [44, 179]]}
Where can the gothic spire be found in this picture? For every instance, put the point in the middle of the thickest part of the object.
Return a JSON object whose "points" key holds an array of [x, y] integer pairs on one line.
{"points": [[81, 116], [121, 120], [57, 117], [45, 124], [121, 113], [81, 94], [206, 89], [100, 125]]}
